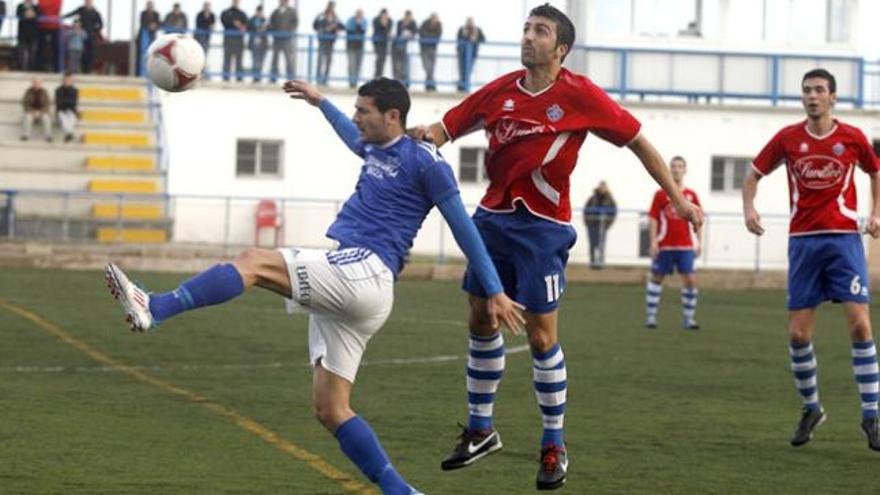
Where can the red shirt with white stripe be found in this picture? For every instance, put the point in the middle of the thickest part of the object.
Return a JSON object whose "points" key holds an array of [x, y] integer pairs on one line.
{"points": [[673, 231], [534, 138], [820, 175]]}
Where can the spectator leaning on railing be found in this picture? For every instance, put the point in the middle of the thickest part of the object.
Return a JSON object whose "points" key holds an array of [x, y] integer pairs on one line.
{"points": [[176, 21], [468, 42], [28, 35], [92, 24], [76, 39], [146, 32], [283, 24], [36, 105], [205, 21], [406, 31], [429, 36], [234, 22], [258, 43], [326, 25], [355, 31], [49, 32], [381, 36]]}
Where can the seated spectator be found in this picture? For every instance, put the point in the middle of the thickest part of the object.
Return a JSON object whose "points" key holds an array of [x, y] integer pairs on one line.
{"points": [[76, 39], [66, 100], [36, 104]]}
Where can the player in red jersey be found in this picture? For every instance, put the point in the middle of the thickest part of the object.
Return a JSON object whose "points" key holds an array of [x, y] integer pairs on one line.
{"points": [[536, 120], [826, 257], [674, 247]]}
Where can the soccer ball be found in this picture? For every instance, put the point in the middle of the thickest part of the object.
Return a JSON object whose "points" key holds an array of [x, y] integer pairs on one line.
{"points": [[175, 62]]}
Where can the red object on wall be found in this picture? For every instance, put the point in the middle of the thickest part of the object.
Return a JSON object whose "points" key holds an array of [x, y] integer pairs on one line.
{"points": [[268, 217]]}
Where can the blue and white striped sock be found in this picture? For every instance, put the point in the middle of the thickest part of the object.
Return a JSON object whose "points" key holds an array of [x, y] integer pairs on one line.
{"points": [[864, 356], [484, 370], [550, 389], [652, 299], [688, 303], [805, 369]]}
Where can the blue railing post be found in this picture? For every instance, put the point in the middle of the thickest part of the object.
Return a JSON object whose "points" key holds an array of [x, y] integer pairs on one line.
{"points": [[309, 59], [860, 85], [624, 73], [10, 214], [774, 80]]}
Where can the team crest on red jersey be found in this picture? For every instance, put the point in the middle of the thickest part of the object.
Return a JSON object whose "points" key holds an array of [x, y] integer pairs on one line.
{"points": [[508, 105], [555, 112], [838, 149], [804, 147], [819, 171]]}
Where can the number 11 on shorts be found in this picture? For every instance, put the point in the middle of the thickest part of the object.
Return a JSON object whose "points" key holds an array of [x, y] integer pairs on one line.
{"points": [[552, 282]]}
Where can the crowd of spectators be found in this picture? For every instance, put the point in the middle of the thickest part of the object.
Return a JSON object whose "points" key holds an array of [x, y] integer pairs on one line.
{"points": [[41, 34]]}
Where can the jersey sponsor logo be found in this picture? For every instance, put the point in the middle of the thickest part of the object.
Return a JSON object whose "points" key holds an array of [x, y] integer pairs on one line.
{"points": [[379, 169], [838, 149], [508, 105], [555, 112], [819, 171], [509, 129]]}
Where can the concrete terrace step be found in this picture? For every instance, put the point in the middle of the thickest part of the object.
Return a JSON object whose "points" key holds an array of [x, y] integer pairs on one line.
{"points": [[120, 163], [128, 139], [40, 155], [132, 236], [129, 186], [78, 181], [128, 211]]}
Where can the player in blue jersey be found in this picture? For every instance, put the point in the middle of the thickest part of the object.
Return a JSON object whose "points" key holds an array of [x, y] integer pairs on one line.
{"points": [[347, 291]]}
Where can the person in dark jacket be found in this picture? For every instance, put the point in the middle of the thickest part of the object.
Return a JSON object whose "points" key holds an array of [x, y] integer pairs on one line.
{"points": [[406, 32], [326, 25], [27, 13], [176, 21], [429, 37], [146, 33], [283, 24], [599, 213], [234, 22], [382, 26], [355, 30], [36, 105], [66, 102], [258, 43], [92, 24], [468, 43], [205, 21]]}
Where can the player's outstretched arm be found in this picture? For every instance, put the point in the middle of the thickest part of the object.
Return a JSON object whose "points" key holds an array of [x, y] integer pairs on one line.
{"points": [[501, 308], [434, 133], [750, 214], [654, 164], [344, 127]]}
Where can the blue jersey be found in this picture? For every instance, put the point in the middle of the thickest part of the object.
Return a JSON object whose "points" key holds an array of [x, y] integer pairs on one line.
{"points": [[398, 185]]}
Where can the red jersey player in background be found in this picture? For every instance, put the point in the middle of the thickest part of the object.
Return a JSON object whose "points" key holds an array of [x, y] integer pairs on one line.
{"points": [[536, 120], [674, 247], [825, 252]]}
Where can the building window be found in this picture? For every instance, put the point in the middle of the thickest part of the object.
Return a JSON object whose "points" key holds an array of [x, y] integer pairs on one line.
{"points": [[471, 165], [729, 172], [257, 158]]}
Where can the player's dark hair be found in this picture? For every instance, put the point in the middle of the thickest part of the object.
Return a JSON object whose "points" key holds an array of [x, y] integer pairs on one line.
{"points": [[678, 158], [388, 94], [564, 26], [822, 74]]}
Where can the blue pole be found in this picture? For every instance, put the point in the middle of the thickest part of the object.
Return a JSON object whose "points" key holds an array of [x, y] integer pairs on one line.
{"points": [[309, 62], [774, 81]]}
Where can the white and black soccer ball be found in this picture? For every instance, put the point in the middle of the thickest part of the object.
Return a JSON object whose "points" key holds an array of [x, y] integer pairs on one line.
{"points": [[174, 62]]}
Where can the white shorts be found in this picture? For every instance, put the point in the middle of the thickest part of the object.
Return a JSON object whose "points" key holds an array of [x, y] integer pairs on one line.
{"points": [[348, 294]]}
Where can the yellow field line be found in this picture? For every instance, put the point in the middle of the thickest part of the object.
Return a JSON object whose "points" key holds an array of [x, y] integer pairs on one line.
{"points": [[314, 461]]}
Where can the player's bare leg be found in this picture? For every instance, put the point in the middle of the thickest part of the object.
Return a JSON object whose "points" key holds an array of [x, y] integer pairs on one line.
{"points": [[864, 354], [653, 290], [484, 369], [331, 399], [689, 301], [803, 364], [264, 268]]}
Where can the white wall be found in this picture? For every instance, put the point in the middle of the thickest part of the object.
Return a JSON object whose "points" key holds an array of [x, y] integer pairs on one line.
{"points": [[202, 127]]}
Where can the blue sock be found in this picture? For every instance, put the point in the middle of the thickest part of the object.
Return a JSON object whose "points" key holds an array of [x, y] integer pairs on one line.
{"points": [[551, 390], [360, 444], [804, 367], [485, 367], [215, 285]]}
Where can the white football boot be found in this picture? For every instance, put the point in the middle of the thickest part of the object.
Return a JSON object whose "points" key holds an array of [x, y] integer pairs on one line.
{"points": [[135, 301]]}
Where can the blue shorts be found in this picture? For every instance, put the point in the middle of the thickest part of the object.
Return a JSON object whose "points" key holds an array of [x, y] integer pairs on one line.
{"points": [[530, 254], [826, 267], [669, 260]]}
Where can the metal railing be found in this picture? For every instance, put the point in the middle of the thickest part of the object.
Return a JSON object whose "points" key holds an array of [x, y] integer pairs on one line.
{"points": [[675, 74], [230, 222]]}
